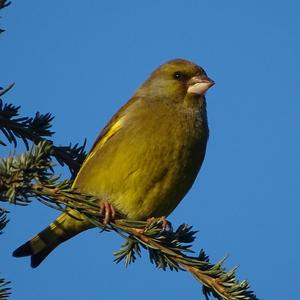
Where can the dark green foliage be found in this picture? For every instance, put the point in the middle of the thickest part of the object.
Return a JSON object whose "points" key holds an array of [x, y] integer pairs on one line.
{"points": [[36, 129], [19, 173], [25, 128], [128, 252], [3, 219], [4, 289], [166, 250]]}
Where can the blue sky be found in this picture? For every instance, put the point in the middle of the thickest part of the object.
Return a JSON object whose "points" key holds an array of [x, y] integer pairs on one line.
{"points": [[82, 61]]}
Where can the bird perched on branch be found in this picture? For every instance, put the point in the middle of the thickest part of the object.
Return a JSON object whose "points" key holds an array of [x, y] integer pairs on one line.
{"points": [[145, 159]]}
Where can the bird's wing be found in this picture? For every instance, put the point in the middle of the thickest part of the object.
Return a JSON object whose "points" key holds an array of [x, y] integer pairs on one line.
{"points": [[111, 129]]}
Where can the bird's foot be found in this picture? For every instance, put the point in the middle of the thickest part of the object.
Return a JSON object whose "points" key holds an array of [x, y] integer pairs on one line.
{"points": [[166, 225], [107, 212]]}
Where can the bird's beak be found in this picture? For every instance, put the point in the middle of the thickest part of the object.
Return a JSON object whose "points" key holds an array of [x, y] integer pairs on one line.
{"points": [[199, 84]]}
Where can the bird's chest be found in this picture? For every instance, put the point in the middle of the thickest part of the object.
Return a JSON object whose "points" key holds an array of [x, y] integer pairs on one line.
{"points": [[179, 131], [172, 151], [175, 142]]}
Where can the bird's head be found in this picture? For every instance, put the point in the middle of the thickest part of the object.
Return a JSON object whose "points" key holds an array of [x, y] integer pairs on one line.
{"points": [[175, 80]]}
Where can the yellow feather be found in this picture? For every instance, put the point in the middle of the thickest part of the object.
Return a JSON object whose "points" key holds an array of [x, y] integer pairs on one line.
{"points": [[100, 143]]}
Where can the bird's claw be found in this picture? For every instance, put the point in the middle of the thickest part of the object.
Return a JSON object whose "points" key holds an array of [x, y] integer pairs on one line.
{"points": [[166, 225], [107, 212]]}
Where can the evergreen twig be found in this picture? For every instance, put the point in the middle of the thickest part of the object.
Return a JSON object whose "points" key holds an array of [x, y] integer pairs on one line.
{"points": [[37, 129], [4, 289], [30, 176], [3, 219]]}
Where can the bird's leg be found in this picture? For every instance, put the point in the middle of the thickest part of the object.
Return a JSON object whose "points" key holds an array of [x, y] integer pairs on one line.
{"points": [[107, 212]]}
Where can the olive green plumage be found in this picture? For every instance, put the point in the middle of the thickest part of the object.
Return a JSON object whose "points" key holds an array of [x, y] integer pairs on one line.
{"points": [[147, 157]]}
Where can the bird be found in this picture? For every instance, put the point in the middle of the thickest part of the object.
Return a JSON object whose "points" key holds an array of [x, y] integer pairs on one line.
{"points": [[144, 160]]}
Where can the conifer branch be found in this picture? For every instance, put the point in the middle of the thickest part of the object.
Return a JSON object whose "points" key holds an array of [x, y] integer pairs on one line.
{"points": [[36, 129], [3, 219], [31, 176], [4, 289]]}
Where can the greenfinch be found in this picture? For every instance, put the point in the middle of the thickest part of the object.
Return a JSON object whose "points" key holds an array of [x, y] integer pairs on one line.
{"points": [[145, 159]]}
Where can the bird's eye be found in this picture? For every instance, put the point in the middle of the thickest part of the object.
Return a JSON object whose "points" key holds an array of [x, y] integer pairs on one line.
{"points": [[178, 75]]}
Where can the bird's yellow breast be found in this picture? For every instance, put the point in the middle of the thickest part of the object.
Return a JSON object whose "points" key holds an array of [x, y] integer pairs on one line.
{"points": [[147, 159]]}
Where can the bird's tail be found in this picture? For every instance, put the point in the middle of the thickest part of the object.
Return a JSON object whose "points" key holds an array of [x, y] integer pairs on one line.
{"points": [[62, 229]]}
